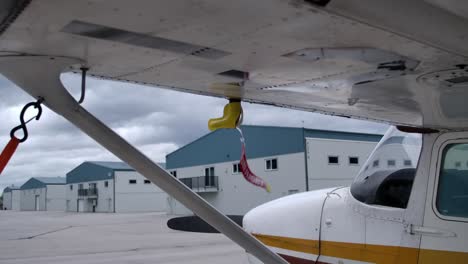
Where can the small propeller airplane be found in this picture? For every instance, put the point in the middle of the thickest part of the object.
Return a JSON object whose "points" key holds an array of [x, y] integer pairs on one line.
{"points": [[400, 62]]}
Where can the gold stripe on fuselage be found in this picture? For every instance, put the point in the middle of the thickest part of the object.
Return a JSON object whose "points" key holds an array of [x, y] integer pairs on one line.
{"points": [[365, 253], [294, 244]]}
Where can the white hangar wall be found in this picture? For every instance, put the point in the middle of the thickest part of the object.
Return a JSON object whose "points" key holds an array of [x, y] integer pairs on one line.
{"points": [[11, 198], [107, 186], [7, 197], [237, 196], [50, 198], [104, 199], [323, 174], [141, 196], [16, 200], [29, 200], [55, 198], [301, 155], [43, 193]]}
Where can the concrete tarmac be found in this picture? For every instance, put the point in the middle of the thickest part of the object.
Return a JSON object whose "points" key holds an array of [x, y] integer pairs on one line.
{"points": [[58, 237]]}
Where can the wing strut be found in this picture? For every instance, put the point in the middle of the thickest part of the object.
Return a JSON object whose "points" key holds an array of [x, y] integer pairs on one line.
{"points": [[40, 77]]}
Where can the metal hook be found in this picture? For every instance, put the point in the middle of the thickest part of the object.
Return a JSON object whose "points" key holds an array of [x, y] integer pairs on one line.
{"points": [[22, 126], [83, 84]]}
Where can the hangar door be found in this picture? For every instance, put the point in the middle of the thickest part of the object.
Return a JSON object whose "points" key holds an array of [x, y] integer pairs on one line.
{"points": [[36, 203], [80, 205]]}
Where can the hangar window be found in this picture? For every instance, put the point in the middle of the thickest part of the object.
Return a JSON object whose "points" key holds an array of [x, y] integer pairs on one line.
{"points": [[210, 179], [235, 168], [458, 164], [353, 160], [106, 184], [274, 164], [71, 187], [132, 181], [173, 173], [210, 171], [333, 160], [147, 182], [452, 192], [375, 163], [391, 163], [407, 163], [271, 164], [389, 185]]}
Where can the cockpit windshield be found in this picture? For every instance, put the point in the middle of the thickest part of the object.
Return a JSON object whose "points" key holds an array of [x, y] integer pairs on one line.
{"points": [[387, 176]]}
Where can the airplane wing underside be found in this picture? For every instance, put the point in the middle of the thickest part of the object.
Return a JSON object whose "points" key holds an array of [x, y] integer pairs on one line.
{"points": [[401, 62]]}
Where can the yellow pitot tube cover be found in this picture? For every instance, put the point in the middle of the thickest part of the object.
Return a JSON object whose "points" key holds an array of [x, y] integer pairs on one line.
{"points": [[230, 119]]}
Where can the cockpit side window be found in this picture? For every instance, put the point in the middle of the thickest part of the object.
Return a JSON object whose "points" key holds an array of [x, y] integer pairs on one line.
{"points": [[452, 193], [389, 184]]}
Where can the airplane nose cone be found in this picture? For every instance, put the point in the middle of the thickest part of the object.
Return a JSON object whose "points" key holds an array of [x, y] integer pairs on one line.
{"points": [[289, 226]]}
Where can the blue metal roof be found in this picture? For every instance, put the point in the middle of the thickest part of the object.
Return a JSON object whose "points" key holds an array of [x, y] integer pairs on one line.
{"points": [[95, 171], [51, 180], [10, 188], [261, 141], [42, 182], [113, 165], [98, 171], [32, 183], [339, 135]]}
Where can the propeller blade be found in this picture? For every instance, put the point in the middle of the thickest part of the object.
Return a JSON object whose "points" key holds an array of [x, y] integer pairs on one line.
{"points": [[194, 223]]}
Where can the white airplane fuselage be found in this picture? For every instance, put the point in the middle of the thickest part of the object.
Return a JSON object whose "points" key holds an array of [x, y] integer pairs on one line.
{"points": [[394, 212]]}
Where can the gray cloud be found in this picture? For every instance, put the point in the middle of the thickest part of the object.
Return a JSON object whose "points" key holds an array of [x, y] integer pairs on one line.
{"points": [[157, 121]]}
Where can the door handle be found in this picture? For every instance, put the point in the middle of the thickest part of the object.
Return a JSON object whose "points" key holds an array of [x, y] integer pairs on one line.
{"points": [[428, 231]]}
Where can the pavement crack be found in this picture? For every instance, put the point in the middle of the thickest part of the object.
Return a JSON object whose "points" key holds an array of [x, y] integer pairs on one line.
{"points": [[42, 234]]}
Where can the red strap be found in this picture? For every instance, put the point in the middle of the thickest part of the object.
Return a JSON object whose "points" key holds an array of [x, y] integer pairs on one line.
{"points": [[248, 174], [8, 152]]}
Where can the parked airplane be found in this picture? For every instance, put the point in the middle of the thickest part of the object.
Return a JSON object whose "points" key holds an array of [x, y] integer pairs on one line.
{"points": [[400, 62]]}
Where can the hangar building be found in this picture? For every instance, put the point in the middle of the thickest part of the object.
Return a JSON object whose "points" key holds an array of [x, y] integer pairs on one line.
{"points": [[43, 194], [290, 159], [11, 198], [100, 186]]}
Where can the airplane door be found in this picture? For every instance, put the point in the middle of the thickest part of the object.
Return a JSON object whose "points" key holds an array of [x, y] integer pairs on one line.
{"points": [[444, 233]]}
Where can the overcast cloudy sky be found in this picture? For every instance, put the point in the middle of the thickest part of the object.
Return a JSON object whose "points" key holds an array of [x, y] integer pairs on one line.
{"points": [[157, 121]]}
